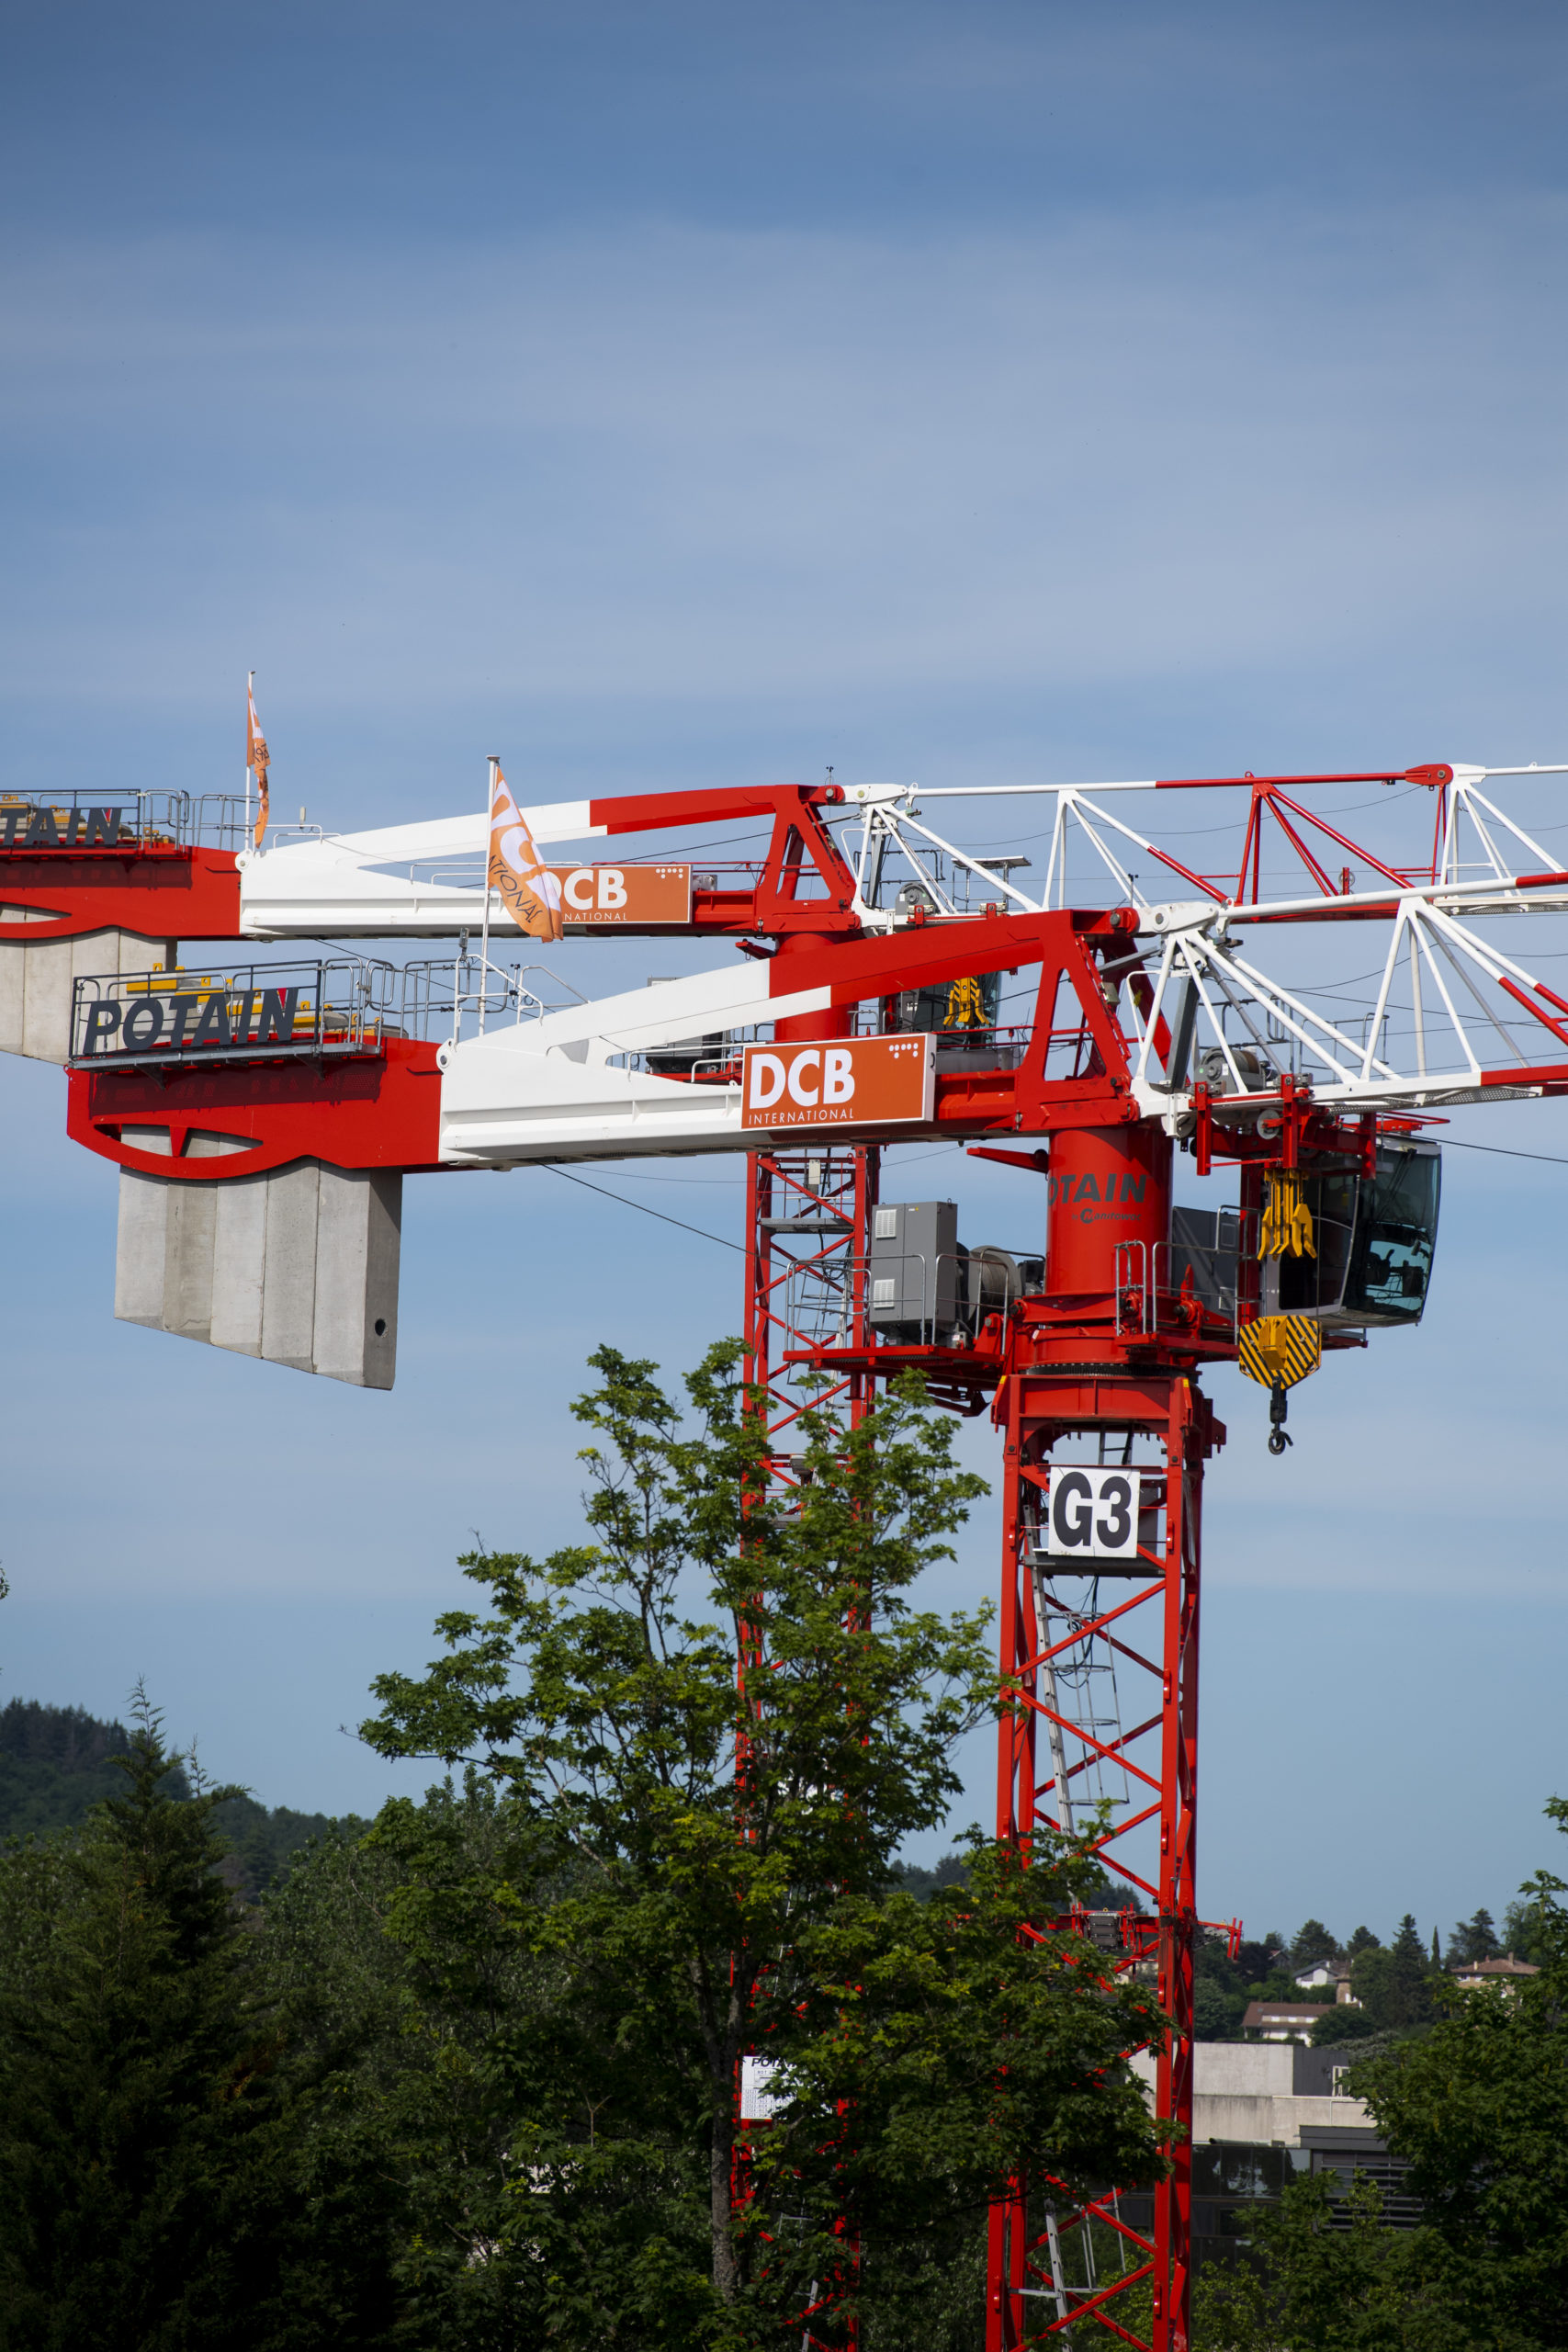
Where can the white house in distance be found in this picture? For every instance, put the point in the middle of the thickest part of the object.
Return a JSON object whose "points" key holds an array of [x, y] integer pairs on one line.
{"points": [[1283, 2021], [1505, 1972], [1327, 1974], [1330, 1980]]}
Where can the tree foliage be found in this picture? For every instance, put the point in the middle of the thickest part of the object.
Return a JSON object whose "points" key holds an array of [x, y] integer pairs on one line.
{"points": [[1477, 2107], [1312, 1944], [466, 2083], [148, 2196], [710, 1875], [1474, 1939], [57, 1763], [1395, 1984]]}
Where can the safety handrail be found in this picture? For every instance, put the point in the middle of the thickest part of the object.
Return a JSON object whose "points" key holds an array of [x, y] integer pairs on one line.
{"points": [[330, 1006]]}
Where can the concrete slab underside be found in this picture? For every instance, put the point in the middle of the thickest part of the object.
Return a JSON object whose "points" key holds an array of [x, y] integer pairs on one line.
{"points": [[298, 1266], [36, 982]]}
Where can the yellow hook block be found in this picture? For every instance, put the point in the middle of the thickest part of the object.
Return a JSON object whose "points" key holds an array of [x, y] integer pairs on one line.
{"points": [[1279, 1350]]}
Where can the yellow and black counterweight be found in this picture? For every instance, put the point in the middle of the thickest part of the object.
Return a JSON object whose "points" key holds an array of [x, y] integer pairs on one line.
{"points": [[1277, 1351]]}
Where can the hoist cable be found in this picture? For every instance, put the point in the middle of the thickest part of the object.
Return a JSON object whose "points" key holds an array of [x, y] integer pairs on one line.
{"points": [[701, 1233], [1501, 1151]]}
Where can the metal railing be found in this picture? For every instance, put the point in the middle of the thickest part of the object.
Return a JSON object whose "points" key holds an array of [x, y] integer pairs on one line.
{"points": [[1145, 1276], [87, 816], [454, 996], [997, 1049], [261, 1010], [327, 1008], [916, 1298]]}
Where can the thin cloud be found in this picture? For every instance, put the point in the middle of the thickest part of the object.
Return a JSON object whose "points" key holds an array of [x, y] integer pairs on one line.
{"points": [[675, 464]]}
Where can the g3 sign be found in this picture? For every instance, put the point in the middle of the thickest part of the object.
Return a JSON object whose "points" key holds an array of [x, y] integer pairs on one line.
{"points": [[1094, 1514]]}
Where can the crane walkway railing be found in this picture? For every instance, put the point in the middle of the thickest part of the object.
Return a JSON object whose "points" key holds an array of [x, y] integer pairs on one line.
{"points": [[88, 817], [327, 1007]]}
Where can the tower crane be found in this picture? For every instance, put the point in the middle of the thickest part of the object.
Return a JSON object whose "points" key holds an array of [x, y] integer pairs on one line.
{"points": [[1169, 1006]]}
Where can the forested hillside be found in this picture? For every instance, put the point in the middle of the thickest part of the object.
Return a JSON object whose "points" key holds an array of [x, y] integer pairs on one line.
{"points": [[56, 1763]]}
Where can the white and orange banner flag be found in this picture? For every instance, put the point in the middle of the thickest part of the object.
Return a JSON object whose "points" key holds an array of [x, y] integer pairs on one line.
{"points": [[532, 894], [256, 756]]}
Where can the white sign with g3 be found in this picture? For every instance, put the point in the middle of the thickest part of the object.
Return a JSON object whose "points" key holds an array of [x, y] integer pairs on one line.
{"points": [[1094, 1513]]}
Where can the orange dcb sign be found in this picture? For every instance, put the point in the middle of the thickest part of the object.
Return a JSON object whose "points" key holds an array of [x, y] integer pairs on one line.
{"points": [[840, 1082], [631, 894]]}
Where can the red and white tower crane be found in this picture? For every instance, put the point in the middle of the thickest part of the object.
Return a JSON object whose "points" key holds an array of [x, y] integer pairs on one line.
{"points": [[1167, 1005]]}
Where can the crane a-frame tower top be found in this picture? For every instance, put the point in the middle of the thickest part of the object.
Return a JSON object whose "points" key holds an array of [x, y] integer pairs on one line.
{"points": [[1163, 1005]]}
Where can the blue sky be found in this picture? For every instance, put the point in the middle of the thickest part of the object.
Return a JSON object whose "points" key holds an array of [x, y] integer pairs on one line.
{"points": [[674, 393]]}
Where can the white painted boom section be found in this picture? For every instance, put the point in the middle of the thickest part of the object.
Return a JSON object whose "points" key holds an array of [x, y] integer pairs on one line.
{"points": [[551, 1089], [515, 1107], [335, 887]]}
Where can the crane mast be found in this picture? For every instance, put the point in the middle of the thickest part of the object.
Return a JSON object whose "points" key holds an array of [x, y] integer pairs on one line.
{"points": [[1176, 1011]]}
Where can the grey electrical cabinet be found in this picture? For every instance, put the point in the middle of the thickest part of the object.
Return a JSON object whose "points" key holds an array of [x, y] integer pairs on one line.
{"points": [[915, 1272]]}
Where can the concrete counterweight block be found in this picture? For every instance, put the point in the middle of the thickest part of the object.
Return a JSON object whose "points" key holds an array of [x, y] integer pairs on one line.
{"points": [[299, 1266], [36, 981]]}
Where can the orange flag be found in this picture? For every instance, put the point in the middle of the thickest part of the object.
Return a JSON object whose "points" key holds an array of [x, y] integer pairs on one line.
{"points": [[256, 756], [532, 894]]}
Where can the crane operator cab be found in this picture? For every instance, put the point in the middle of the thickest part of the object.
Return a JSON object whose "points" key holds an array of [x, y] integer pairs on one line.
{"points": [[1374, 1240]]}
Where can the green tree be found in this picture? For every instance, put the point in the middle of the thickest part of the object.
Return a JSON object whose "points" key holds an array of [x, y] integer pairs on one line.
{"points": [[1326, 2275], [1526, 1929], [1474, 1939], [1362, 1941], [1412, 1974], [433, 2032], [1220, 1992], [1215, 2012], [1313, 1943], [1345, 2023], [1394, 1984], [56, 1763], [965, 2055], [148, 2194], [709, 1875], [1477, 2107]]}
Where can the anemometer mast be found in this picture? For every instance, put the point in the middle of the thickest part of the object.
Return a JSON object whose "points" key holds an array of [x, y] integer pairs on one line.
{"points": [[263, 1118]]}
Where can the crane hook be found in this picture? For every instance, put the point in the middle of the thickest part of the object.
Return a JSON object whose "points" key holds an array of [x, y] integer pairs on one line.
{"points": [[1278, 1437]]}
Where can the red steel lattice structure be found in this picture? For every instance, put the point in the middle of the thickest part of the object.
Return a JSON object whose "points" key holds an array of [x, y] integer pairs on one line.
{"points": [[1103, 1363], [1043, 1750], [805, 1282], [1066, 1370]]}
